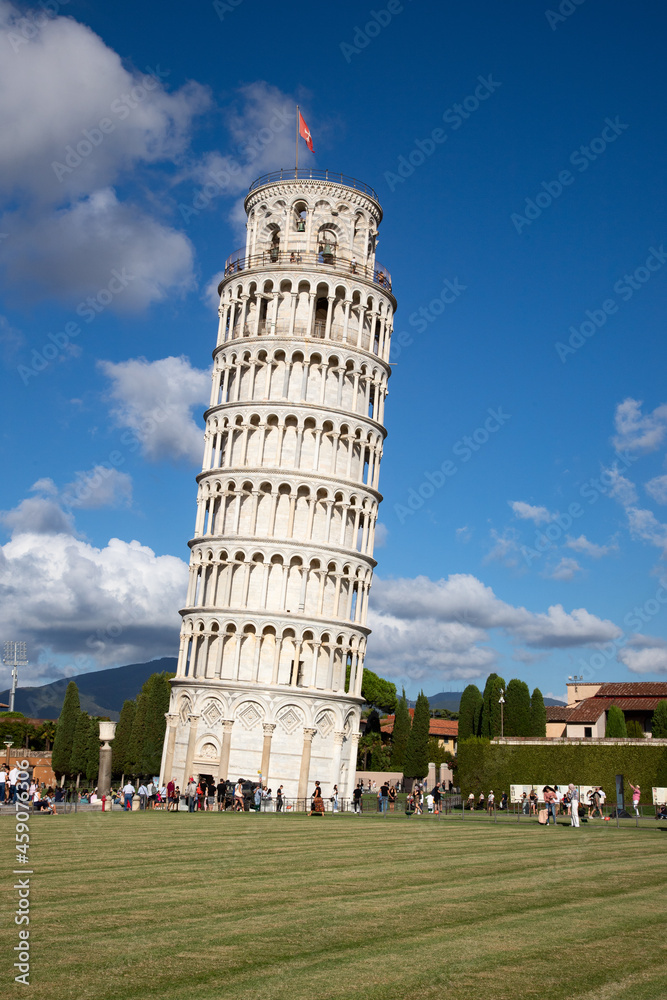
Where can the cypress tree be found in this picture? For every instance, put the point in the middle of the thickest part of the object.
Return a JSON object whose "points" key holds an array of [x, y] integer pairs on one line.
{"points": [[490, 726], [79, 759], [64, 738], [136, 743], [155, 724], [470, 708], [659, 721], [400, 735], [121, 740], [538, 714], [517, 709], [416, 753], [615, 722], [93, 749]]}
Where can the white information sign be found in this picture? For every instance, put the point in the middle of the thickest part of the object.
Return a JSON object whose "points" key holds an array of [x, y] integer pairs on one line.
{"points": [[659, 796]]}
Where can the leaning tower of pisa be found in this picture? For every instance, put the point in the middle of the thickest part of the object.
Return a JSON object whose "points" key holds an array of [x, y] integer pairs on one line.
{"points": [[274, 628]]}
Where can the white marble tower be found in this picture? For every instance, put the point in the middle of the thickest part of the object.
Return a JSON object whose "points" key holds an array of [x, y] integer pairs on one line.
{"points": [[274, 629]]}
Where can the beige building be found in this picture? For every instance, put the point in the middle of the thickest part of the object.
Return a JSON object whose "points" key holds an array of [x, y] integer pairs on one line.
{"points": [[585, 716], [274, 628]]}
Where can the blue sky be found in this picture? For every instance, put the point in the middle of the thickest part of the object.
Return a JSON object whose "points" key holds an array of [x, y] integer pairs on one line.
{"points": [[518, 154]]}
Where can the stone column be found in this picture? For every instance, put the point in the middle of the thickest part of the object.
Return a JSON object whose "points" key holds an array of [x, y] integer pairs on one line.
{"points": [[104, 776], [431, 776], [308, 735], [268, 728], [223, 766], [338, 738], [172, 725], [190, 754]]}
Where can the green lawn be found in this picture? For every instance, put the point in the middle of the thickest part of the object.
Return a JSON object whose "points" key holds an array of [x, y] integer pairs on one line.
{"points": [[246, 906]]}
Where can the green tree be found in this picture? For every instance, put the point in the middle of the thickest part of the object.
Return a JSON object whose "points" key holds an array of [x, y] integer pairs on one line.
{"points": [[517, 709], [659, 721], [635, 729], [538, 714], [470, 709], [380, 756], [122, 738], [661, 776], [135, 747], [64, 738], [615, 722], [79, 759], [490, 726], [416, 753], [437, 754], [378, 692], [400, 735], [155, 723]]}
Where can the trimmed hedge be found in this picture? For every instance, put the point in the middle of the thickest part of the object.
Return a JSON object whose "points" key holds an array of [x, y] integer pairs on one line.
{"points": [[482, 766]]}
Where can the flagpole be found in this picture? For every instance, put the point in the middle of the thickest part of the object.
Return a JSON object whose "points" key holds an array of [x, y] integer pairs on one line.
{"points": [[296, 172]]}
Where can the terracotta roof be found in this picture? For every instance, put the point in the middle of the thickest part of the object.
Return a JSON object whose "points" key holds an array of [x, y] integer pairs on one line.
{"points": [[437, 727], [591, 709], [558, 713], [639, 689]]}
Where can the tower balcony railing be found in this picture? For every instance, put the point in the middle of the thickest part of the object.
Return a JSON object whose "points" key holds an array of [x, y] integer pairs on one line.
{"points": [[306, 173], [326, 257]]}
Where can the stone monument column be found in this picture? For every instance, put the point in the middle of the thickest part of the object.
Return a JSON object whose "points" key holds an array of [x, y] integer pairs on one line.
{"points": [[308, 735], [107, 733], [223, 766]]}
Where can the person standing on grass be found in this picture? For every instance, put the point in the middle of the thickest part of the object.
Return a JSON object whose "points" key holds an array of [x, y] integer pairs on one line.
{"points": [[279, 799], [490, 802], [334, 798], [636, 796], [550, 803], [392, 798], [384, 796], [471, 801], [171, 788], [603, 799], [191, 792], [574, 805], [480, 802], [128, 795], [13, 778], [239, 805], [436, 799], [221, 788], [357, 798]]}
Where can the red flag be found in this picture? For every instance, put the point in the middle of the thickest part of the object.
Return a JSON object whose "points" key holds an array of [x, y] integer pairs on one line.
{"points": [[304, 132]]}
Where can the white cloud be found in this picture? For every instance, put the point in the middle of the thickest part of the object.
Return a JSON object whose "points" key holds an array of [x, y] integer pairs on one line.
{"points": [[155, 400], [210, 295], [39, 516], [620, 488], [582, 544], [528, 512], [657, 488], [464, 600], [464, 534], [101, 486], [636, 431], [645, 526], [645, 655], [505, 548], [565, 570], [63, 81], [381, 535], [117, 604], [100, 243]]}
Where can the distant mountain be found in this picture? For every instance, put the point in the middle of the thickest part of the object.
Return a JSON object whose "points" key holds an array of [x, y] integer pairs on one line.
{"points": [[101, 692]]}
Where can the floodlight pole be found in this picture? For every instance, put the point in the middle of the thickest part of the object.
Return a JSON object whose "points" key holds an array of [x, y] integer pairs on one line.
{"points": [[14, 657], [501, 702]]}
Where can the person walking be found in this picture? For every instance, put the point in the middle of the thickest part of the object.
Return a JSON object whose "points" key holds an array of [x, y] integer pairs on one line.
{"points": [[357, 798], [334, 798], [279, 799], [171, 788], [128, 795], [13, 778], [239, 805], [143, 796], [574, 805], [636, 796]]}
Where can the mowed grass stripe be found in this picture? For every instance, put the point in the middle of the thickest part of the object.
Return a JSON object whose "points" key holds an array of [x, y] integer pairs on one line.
{"points": [[280, 906]]}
